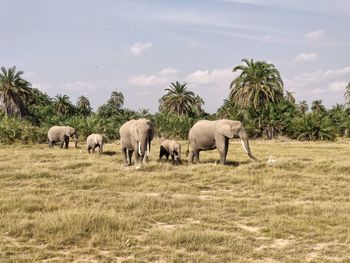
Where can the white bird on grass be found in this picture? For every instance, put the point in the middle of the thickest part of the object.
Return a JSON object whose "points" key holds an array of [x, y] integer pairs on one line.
{"points": [[271, 160]]}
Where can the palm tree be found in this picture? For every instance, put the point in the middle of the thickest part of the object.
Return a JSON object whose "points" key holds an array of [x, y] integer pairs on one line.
{"points": [[318, 107], [178, 99], [38, 97], [113, 106], [303, 107], [198, 104], [143, 113], [83, 105], [347, 94], [258, 85], [116, 100], [62, 104], [289, 97], [14, 92]]}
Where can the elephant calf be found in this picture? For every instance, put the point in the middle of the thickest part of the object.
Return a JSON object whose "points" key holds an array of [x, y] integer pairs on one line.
{"points": [[62, 134], [93, 141], [172, 148]]}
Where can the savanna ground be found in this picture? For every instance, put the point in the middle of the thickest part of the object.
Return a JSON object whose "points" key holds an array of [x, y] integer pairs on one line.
{"points": [[60, 205]]}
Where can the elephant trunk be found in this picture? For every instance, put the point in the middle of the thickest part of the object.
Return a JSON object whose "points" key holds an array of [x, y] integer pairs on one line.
{"points": [[75, 141], [143, 147], [245, 144]]}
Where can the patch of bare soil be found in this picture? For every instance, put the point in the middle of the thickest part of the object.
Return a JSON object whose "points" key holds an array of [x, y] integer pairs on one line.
{"points": [[317, 248], [248, 228]]}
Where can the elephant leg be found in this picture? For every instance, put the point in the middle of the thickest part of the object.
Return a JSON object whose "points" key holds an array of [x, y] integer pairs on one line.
{"points": [[66, 142], [124, 154], [50, 144], [93, 148], [161, 152], [172, 158], [222, 146], [61, 144], [89, 149], [191, 157], [100, 149], [196, 156], [138, 157], [129, 156]]}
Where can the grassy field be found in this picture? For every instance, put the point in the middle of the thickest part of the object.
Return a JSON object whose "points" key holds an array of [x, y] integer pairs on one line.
{"points": [[61, 205]]}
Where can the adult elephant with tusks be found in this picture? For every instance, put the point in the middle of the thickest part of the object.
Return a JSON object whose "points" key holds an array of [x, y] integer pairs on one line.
{"points": [[209, 135], [136, 136], [62, 134]]}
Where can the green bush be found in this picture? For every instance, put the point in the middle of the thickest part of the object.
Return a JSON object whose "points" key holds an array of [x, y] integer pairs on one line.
{"points": [[313, 126], [13, 129]]}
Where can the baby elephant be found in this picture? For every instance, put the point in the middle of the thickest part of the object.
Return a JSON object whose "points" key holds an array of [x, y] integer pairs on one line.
{"points": [[93, 141], [173, 148]]}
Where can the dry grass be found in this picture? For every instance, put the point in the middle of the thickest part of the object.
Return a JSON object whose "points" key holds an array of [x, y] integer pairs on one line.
{"points": [[62, 205]]}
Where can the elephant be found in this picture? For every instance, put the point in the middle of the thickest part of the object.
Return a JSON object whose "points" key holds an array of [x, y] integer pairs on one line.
{"points": [[209, 135], [172, 148], [61, 134], [136, 136], [93, 141]]}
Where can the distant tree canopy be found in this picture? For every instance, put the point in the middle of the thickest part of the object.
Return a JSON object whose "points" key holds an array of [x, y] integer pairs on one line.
{"points": [[256, 97]]}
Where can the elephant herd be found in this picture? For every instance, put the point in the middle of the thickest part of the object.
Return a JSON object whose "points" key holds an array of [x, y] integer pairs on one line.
{"points": [[136, 136]]}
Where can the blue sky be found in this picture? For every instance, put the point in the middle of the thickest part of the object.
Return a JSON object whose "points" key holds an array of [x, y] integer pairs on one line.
{"points": [[91, 48]]}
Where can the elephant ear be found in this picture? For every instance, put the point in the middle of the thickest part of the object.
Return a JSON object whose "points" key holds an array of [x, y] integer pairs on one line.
{"points": [[225, 129], [67, 132], [135, 132], [152, 128]]}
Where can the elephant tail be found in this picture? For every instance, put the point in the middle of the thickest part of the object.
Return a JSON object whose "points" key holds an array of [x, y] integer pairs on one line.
{"points": [[188, 148]]}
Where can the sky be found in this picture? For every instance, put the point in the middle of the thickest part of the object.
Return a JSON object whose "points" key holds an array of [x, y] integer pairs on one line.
{"points": [[138, 47]]}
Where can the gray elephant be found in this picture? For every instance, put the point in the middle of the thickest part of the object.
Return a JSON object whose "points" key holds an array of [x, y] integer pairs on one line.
{"points": [[136, 136], [208, 135], [62, 134], [172, 148], [93, 141]]}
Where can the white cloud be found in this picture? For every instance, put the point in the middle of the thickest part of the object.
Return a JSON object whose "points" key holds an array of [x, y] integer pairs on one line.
{"points": [[209, 20], [207, 76], [337, 86], [139, 48], [80, 86], [305, 57], [328, 85], [337, 72], [334, 7], [169, 71], [318, 91], [315, 35], [163, 77]]}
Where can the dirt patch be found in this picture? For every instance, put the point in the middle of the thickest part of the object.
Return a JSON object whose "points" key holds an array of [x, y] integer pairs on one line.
{"points": [[153, 194], [164, 226], [276, 244], [316, 251], [248, 228]]}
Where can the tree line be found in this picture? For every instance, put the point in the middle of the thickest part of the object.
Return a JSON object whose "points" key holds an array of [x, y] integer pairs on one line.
{"points": [[256, 97]]}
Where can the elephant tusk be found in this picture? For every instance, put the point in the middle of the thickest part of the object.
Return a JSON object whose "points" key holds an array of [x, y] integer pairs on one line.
{"points": [[140, 148], [244, 146], [148, 151]]}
